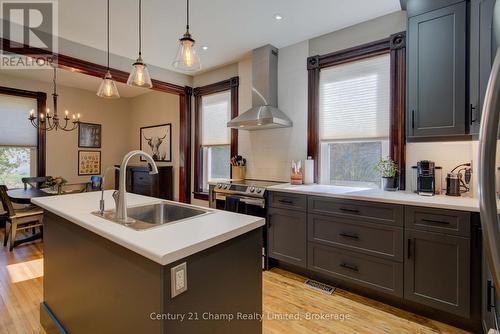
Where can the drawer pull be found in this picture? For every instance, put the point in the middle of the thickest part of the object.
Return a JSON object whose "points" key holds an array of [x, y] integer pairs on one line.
{"points": [[432, 221], [349, 210], [349, 266], [350, 236], [285, 201]]}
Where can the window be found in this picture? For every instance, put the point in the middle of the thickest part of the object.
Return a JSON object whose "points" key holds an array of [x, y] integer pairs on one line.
{"points": [[216, 137], [215, 143], [18, 140], [356, 112], [354, 120]]}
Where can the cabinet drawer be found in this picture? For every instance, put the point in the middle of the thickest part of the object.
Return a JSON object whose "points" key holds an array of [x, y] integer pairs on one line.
{"points": [[373, 239], [287, 201], [438, 220], [367, 211], [368, 271]]}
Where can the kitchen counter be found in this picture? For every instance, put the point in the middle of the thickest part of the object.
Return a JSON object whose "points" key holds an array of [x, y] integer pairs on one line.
{"points": [[163, 244], [148, 281], [378, 195]]}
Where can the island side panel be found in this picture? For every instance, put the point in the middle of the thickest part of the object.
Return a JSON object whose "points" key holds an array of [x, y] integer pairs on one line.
{"points": [[93, 285], [222, 281]]}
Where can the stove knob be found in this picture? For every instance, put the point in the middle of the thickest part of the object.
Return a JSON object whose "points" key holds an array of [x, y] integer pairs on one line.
{"points": [[219, 186], [259, 190], [226, 186], [252, 189]]}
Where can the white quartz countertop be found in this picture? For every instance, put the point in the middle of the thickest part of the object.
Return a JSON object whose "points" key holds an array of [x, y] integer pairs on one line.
{"points": [[163, 244], [377, 195]]}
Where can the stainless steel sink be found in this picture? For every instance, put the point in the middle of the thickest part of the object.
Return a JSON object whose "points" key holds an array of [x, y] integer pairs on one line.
{"points": [[149, 216]]}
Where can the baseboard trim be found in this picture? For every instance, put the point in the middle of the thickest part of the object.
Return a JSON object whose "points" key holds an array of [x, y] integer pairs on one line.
{"points": [[49, 321]]}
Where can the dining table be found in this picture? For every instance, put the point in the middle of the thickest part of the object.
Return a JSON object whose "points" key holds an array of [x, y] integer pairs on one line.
{"points": [[24, 196]]}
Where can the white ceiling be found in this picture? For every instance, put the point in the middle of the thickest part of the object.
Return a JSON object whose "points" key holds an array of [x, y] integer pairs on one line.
{"points": [[73, 79], [230, 28]]}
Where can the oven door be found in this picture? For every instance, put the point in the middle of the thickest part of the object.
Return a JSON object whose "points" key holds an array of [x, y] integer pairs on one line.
{"points": [[241, 204]]}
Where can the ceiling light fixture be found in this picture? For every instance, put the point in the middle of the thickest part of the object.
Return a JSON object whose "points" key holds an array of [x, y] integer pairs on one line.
{"points": [[48, 121], [278, 17], [108, 86], [140, 75], [187, 59], [204, 48]]}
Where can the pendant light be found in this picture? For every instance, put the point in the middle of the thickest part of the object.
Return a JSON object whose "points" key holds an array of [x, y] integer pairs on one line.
{"points": [[187, 59], [108, 86], [140, 75]]}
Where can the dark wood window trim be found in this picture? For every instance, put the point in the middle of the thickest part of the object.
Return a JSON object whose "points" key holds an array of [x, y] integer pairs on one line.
{"points": [[41, 99], [396, 46], [226, 85], [96, 70]]}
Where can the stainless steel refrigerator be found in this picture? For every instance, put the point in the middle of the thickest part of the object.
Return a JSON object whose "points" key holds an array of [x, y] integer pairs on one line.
{"points": [[488, 166]]}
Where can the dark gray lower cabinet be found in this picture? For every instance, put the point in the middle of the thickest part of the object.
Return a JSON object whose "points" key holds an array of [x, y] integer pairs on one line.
{"points": [[365, 270], [287, 236], [437, 271]]}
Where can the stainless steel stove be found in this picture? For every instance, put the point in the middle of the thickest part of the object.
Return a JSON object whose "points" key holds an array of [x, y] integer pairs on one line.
{"points": [[246, 197], [246, 191]]}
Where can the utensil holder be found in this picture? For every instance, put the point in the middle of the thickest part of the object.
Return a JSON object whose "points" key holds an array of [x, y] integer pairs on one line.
{"points": [[238, 172]]}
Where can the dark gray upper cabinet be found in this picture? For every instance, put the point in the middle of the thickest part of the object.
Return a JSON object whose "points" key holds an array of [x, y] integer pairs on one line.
{"points": [[437, 72], [437, 271], [480, 59], [287, 236]]}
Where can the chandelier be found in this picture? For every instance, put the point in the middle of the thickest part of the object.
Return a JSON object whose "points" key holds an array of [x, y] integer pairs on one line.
{"points": [[51, 121]]}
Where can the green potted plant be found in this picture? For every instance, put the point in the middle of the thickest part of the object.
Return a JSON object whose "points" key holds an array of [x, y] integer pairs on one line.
{"points": [[388, 170], [56, 183]]}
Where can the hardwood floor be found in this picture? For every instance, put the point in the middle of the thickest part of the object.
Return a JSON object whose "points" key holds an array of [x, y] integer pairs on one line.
{"points": [[284, 294]]}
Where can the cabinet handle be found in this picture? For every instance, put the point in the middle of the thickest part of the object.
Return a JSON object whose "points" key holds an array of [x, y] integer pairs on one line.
{"points": [[432, 221], [349, 266], [473, 114], [349, 210], [490, 295], [413, 119], [350, 236], [285, 201], [408, 253]]}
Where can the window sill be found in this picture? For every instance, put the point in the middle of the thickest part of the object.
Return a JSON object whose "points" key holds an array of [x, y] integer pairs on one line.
{"points": [[200, 195]]}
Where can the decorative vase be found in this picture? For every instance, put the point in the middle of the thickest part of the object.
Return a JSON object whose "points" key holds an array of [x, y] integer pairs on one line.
{"points": [[390, 183], [238, 172]]}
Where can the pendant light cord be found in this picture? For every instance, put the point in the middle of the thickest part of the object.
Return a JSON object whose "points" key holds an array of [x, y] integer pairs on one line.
{"points": [[54, 81], [187, 15], [108, 35], [140, 28]]}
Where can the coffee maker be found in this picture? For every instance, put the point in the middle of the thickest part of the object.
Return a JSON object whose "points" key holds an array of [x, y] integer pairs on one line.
{"points": [[426, 183]]}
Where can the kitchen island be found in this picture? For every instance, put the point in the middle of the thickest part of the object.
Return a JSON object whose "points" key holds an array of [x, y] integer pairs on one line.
{"points": [[102, 277]]}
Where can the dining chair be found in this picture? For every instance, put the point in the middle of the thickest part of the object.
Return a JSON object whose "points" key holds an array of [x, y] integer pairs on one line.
{"points": [[36, 182], [20, 219]]}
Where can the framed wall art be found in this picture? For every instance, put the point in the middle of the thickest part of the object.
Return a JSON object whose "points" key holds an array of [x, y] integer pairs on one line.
{"points": [[89, 135], [89, 163], [156, 140]]}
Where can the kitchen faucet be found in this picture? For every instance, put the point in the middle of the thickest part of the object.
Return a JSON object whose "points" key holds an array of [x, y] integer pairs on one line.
{"points": [[120, 194], [103, 177]]}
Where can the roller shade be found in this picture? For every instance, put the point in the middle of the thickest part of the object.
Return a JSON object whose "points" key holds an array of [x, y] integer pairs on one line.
{"points": [[355, 100], [216, 112], [15, 128]]}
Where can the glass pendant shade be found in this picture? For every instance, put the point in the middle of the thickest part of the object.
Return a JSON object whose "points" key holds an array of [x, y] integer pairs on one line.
{"points": [[139, 76], [108, 87], [187, 59]]}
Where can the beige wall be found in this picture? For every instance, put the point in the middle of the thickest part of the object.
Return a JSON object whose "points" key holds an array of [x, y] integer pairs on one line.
{"points": [[156, 108], [62, 147], [120, 120]]}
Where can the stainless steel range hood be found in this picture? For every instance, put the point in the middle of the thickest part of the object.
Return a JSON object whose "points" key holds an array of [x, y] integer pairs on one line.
{"points": [[264, 113]]}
